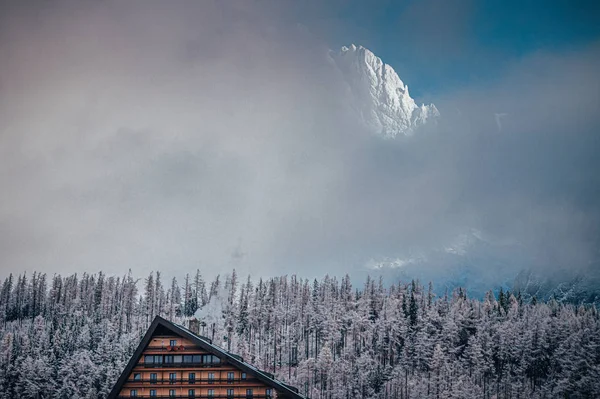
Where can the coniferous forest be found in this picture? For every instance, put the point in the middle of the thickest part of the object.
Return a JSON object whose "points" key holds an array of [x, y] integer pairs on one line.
{"points": [[70, 337]]}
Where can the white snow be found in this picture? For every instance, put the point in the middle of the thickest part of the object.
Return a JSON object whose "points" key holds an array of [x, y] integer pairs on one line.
{"points": [[378, 95]]}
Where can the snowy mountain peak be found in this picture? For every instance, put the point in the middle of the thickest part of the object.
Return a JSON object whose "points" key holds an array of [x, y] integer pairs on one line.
{"points": [[379, 96]]}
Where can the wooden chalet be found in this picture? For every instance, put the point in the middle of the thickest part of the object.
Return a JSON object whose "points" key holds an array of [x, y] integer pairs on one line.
{"points": [[174, 362]]}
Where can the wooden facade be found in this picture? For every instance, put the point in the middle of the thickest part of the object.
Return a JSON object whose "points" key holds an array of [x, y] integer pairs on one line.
{"points": [[174, 362]]}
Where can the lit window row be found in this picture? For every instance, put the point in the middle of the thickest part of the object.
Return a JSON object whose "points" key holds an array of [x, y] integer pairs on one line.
{"points": [[191, 377], [176, 359], [209, 393]]}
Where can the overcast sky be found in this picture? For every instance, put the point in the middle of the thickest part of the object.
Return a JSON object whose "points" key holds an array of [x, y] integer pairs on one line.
{"points": [[183, 135]]}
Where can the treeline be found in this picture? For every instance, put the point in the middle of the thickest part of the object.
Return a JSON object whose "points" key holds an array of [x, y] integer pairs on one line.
{"points": [[70, 337]]}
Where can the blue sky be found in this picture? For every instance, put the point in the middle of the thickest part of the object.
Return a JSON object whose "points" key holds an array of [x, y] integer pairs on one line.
{"points": [[439, 46]]}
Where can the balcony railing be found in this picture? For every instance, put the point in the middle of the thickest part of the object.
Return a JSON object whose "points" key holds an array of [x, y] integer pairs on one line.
{"points": [[238, 396], [180, 351], [180, 365], [192, 381]]}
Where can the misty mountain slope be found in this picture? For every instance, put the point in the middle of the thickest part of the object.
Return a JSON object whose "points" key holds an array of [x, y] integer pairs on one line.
{"points": [[578, 288], [378, 95], [471, 261], [478, 265]]}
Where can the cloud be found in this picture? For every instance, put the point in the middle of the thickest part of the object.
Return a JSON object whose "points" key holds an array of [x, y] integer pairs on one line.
{"points": [[213, 136], [156, 138], [535, 181]]}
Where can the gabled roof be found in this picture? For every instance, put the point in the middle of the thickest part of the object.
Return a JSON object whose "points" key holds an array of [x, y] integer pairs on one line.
{"points": [[161, 325]]}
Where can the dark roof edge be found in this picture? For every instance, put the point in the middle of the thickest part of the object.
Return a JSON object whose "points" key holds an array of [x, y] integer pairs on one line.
{"points": [[208, 346], [133, 360]]}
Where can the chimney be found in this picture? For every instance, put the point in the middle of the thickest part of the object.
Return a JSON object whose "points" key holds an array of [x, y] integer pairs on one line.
{"points": [[194, 326]]}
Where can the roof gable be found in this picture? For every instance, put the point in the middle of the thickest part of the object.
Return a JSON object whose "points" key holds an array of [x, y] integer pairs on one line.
{"points": [[160, 326]]}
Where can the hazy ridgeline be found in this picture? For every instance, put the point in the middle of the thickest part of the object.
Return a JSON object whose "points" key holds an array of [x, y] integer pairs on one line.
{"points": [[70, 337]]}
